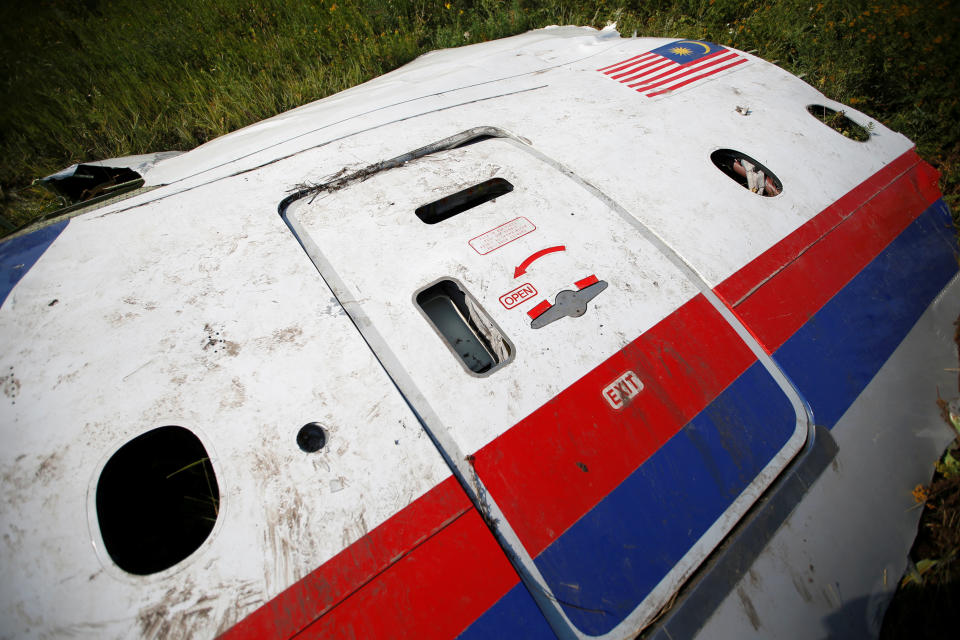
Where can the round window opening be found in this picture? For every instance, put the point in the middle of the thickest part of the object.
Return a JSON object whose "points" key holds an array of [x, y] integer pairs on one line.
{"points": [[157, 500], [747, 172]]}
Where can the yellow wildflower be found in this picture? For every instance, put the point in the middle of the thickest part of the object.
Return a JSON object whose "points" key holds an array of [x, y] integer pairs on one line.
{"points": [[920, 493]]}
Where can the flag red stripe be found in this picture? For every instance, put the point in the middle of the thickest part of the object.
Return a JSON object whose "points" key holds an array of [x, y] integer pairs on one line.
{"points": [[621, 62], [668, 64], [682, 70], [647, 64], [650, 84], [695, 78], [629, 63]]}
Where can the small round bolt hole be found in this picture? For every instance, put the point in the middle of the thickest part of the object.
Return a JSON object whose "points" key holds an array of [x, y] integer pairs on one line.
{"points": [[311, 437]]}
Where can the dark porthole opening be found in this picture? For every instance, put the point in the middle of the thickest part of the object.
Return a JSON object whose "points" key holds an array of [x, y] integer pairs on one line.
{"points": [[464, 325], [839, 122], [311, 437], [747, 172], [157, 500], [464, 200]]}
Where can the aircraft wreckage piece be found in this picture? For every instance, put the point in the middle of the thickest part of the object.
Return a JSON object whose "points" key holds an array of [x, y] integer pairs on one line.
{"points": [[563, 335]]}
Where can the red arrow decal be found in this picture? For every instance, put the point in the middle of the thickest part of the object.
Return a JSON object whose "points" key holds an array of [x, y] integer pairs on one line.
{"points": [[522, 269]]}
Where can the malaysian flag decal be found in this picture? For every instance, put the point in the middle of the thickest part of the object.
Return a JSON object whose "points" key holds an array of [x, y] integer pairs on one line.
{"points": [[672, 66]]}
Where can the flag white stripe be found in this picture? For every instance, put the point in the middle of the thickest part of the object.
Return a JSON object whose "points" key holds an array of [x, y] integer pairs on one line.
{"points": [[657, 74], [665, 67], [682, 73], [633, 64]]}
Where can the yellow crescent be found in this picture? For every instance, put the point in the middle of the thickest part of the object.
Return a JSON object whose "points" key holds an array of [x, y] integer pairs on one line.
{"points": [[706, 49]]}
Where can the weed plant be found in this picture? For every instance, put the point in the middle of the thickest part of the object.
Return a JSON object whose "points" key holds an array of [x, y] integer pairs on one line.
{"points": [[93, 79]]}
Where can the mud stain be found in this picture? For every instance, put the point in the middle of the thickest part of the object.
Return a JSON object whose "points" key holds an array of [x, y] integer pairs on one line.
{"points": [[48, 467], [748, 608], [170, 619], [235, 396], [801, 586], [288, 335]]}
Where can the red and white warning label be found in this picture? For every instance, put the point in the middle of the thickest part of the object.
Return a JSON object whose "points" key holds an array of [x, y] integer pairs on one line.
{"points": [[619, 392], [504, 234], [518, 295]]}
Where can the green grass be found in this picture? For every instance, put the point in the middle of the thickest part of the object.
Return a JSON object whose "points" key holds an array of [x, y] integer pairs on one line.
{"points": [[98, 79]]}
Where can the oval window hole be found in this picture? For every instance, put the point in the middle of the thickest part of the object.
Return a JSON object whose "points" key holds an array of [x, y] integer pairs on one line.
{"points": [[839, 122], [157, 500], [747, 172]]}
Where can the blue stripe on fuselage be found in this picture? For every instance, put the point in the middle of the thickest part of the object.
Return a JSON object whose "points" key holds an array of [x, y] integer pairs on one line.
{"points": [[612, 557], [833, 357], [19, 254], [515, 615]]}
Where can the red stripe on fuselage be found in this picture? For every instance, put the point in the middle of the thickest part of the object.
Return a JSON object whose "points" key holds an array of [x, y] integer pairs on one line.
{"points": [[435, 593], [564, 458], [440, 526], [433, 568], [779, 291]]}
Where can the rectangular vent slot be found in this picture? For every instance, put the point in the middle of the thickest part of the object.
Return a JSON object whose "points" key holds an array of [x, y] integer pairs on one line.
{"points": [[465, 326], [460, 201]]}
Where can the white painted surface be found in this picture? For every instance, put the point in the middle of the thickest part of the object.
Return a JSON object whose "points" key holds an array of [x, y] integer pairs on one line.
{"points": [[377, 257], [127, 349], [138, 283], [385, 255]]}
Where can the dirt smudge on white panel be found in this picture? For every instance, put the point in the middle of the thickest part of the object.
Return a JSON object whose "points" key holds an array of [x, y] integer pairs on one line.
{"points": [[288, 334], [235, 396], [748, 608]]}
